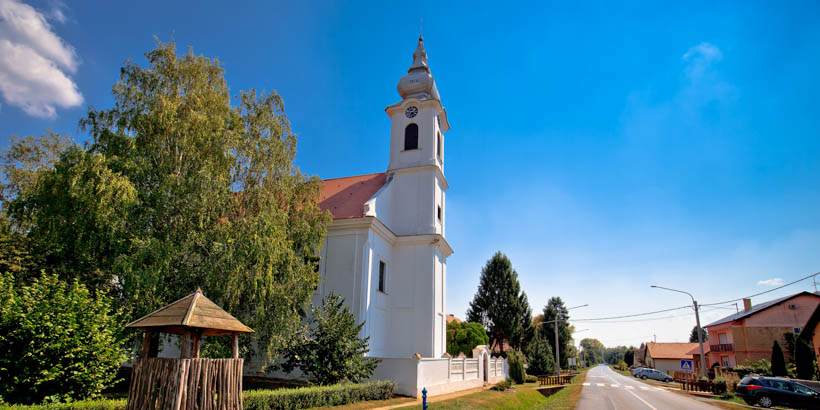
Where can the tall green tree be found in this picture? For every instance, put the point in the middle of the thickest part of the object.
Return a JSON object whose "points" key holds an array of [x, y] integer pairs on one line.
{"points": [[593, 351], [555, 310], [181, 189], [499, 304], [804, 359], [693, 335], [778, 360]]}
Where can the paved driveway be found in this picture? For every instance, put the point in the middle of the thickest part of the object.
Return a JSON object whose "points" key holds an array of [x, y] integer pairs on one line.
{"points": [[606, 389]]}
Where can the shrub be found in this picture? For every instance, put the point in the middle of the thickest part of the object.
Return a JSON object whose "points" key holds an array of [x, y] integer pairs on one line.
{"points": [[329, 349], [622, 366], [804, 360], [531, 379], [57, 342], [317, 396], [720, 384], [505, 385], [515, 363], [539, 356], [463, 337], [761, 367]]}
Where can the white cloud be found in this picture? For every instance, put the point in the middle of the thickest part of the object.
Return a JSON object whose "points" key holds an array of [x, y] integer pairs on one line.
{"points": [[771, 282], [35, 62]]}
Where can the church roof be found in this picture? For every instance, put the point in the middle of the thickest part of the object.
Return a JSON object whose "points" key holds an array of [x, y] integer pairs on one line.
{"points": [[194, 310], [345, 197]]}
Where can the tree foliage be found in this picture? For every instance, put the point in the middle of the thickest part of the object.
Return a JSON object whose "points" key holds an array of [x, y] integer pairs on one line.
{"points": [[179, 189], [57, 341], [328, 349], [540, 357], [778, 361], [555, 310], [804, 359], [463, 337], [500, 305], [593, 351], [515, 363], [693, 335]]}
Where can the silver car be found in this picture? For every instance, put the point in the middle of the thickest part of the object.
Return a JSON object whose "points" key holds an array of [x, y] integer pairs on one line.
{"points": [[654, 375]]}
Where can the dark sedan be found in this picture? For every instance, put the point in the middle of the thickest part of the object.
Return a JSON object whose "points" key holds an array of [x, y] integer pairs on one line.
{"points": [[774, 391]]}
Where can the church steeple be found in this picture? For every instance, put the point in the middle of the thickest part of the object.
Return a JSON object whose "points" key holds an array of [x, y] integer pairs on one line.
{"points": [[418, 82]]}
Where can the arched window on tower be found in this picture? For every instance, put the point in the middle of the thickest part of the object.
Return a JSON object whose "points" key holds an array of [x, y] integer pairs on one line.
{"points": [[411, 137]]}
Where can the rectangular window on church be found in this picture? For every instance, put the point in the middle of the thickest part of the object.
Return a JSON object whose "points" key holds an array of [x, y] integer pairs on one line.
{"points": [[439, 213], [382, 273]]}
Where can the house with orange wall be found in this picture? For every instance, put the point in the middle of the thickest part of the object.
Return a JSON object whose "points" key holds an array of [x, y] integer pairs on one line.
{"points": [[748, 336]]}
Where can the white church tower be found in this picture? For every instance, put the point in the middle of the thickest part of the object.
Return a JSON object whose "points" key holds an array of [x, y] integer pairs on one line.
{"points": [[385, 251]]}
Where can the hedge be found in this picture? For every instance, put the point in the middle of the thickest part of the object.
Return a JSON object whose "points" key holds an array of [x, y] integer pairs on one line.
{"points": [[299, 398], [318, 396]]}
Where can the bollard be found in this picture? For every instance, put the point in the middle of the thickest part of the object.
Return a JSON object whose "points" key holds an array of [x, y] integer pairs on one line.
{"points": [[424, 398]]}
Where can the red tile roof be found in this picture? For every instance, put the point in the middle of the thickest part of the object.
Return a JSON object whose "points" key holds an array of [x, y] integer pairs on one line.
{"points": [[345, 197], [670, 350], [696, 349]]}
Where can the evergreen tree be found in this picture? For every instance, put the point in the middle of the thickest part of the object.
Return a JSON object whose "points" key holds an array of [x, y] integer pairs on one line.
{"points": [[497, 304], [540, 358], [693, 336], [778, 361], [329, 350], [804, 360], [555, 309]]}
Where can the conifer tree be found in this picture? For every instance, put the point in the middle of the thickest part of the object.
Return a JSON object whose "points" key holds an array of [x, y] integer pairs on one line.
{"points": [[499, 305], [778, 361]]}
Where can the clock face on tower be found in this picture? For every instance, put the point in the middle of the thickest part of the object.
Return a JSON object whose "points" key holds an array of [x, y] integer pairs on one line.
{"points": [[411, 111]]}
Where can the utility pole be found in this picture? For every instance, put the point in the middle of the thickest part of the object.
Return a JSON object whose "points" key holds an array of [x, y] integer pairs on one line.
{"points": [[557, 353], [699, 330]]}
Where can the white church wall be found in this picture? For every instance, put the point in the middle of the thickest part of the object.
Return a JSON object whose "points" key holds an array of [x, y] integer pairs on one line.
{"points": [[413, 200], [428, 131]]}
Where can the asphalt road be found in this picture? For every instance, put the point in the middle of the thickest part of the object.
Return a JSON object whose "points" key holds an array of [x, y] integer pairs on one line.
{"points": [[606, 389]]}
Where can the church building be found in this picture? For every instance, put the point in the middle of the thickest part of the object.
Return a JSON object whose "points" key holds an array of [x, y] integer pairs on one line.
{"points": [[386, 252]]}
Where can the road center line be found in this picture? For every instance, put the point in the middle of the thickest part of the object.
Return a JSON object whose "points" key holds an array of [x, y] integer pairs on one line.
{"points": [[632, 393]]}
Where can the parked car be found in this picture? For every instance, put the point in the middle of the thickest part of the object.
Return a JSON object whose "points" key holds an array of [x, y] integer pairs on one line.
{"points": [[655, 375], [776, 391], [636, 370]]}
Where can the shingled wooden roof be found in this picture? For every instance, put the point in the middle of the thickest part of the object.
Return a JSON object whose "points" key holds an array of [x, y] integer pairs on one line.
{"points": [[192, 311]]}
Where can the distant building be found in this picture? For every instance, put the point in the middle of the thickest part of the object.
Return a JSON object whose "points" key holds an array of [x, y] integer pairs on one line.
{"points": [[452, 318], [667, 357], [748, 336]]}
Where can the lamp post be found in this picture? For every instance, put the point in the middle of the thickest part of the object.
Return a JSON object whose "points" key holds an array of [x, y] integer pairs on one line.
{"points": [[557, 353], [699, 330]]}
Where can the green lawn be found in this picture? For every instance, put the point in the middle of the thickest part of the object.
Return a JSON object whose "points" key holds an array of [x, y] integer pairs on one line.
{"points": [[524, 396]]}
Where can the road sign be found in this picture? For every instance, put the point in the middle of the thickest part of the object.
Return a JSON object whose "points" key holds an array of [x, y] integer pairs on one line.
{"points": [[571, 361], [686, 365]]}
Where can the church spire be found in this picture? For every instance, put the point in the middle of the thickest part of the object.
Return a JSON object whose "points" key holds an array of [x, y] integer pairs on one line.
{"points": [[418, 82]]}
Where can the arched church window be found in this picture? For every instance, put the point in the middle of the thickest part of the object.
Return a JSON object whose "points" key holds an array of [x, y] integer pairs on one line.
{"points": [[411, 137]]}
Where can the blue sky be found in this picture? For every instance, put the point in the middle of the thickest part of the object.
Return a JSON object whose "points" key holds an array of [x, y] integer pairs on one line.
{"points": [[602, 148]]}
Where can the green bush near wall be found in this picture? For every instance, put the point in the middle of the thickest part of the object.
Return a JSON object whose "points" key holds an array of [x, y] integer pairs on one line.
{"points": [[318, 396]]}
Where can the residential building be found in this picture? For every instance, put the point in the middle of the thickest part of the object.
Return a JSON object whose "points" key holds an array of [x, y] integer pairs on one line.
{"points": [[748, 336], [667, 357]]}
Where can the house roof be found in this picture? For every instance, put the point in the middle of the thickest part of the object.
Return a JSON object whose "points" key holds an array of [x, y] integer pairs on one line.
{"points": [[759, 308], [192, 311], [345, 197], [696, 350], [670, 350], [808, 331], [452, 318]]}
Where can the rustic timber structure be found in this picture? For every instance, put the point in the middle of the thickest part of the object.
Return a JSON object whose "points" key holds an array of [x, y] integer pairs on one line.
{"points": [[188, 382]]}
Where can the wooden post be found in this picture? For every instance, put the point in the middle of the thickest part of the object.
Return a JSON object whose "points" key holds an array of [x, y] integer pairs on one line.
{"points": [[235, 344], [146, 344], [185, 351], [195, 349]]}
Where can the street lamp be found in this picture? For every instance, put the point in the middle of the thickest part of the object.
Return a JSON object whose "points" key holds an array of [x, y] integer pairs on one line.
{"points": [[557, 353], [697, 320]]}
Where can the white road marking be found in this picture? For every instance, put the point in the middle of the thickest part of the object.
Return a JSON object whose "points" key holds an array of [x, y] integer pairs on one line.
{"points": [[600, 384], [642, 400], [614, 385], [644, 388], [586, 384], [658, 388], [629, 387]]}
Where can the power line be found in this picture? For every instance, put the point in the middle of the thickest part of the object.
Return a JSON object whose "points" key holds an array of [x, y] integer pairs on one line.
{"points": [[689, 307], [764, 292]]}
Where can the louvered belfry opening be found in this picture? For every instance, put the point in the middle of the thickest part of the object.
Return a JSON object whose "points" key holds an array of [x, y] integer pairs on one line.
{"points": [[187, 382]]}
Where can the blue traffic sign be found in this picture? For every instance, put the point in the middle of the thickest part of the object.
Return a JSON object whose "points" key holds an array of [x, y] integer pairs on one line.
{"points": [[686, 365]]}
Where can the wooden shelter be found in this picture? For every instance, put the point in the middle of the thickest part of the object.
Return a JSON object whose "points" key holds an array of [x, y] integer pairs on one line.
{"points": [[187, 382]]}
